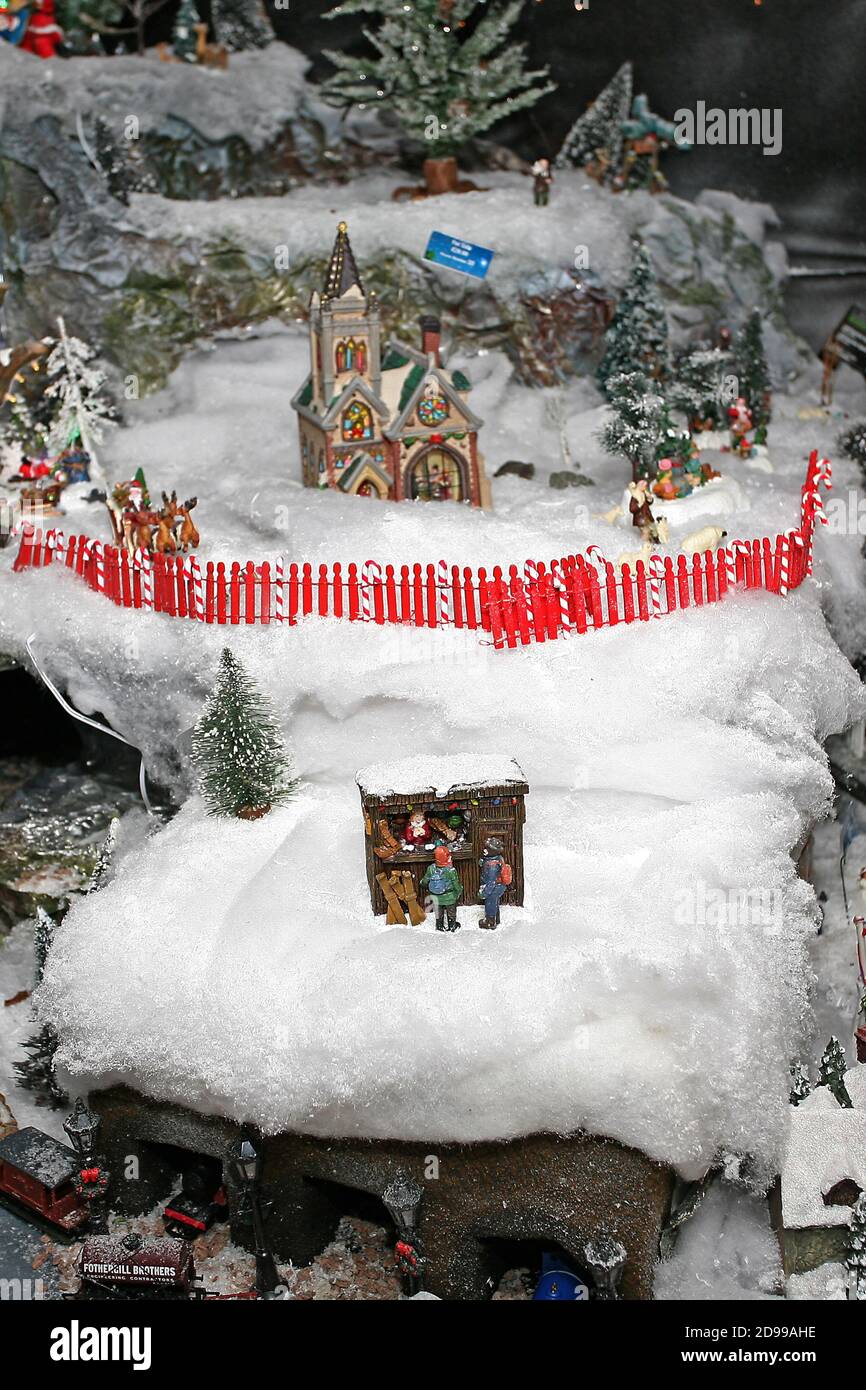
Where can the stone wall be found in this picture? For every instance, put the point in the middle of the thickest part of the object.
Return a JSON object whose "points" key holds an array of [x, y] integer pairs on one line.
{"points": [[560, 1191]]}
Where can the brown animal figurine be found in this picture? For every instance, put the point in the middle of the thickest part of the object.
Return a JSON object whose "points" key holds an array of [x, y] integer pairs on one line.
{"points": [[188, 537], [210, 55], [165, 543]]}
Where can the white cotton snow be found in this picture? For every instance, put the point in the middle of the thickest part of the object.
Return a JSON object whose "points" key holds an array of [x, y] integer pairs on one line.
{"points": [[672, 768]]}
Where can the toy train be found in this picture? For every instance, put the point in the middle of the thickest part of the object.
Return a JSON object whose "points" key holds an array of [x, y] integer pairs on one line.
{"points": [[36, 1181], [132, 1267], [200, 1202]]}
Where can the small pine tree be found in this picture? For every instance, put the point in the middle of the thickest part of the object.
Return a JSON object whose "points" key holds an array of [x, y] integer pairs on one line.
{"points": [[853, 443], [831, 1072], [696, 385], [237, 748], [448, 69], [855, 1256], [183, 35], [599, 128], [753, 373], [635, 425], [637, 339], [800, 1085], [241, 24], [36, 1072], [101, 868]]}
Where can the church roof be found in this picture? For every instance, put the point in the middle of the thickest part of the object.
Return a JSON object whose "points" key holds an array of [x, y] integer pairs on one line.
{"points": [[343, 270]]}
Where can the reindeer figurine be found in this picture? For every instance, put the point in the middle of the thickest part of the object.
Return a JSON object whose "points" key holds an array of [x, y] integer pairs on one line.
{"points": [[188, 537]]}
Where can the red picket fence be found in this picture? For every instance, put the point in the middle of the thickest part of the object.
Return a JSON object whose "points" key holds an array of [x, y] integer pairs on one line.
{"points": [[536, 603]]}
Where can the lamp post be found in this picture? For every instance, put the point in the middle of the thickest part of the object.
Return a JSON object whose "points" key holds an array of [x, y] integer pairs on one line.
{"points": [[246, 1162], [402, 1197], [91, 1183]]}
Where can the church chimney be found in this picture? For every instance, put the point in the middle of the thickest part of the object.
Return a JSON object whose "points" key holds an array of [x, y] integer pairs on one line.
{"points": [[431, 333]]}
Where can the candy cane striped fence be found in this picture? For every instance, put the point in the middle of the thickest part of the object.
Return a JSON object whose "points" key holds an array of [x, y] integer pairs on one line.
{"points": [[536, 602]]}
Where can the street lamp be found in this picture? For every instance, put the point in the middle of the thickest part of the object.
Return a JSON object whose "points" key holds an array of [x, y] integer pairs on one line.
{"points": [[246, 1162], [402, 1197], [91, 1182]]}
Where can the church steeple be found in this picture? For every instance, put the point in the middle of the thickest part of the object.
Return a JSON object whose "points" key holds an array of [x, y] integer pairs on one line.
{"points": [[343, 270], [345, 328]]}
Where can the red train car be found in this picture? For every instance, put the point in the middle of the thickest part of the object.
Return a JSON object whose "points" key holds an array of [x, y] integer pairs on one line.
{"points": [[133, 1266], [36, 1180]]}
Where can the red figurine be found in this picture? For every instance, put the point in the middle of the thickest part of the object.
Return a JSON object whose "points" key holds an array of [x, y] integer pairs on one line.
{"points": [[44, 35], [417, 830]]}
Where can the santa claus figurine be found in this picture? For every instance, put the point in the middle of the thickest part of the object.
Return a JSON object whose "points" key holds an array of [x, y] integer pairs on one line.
{"points": [[740, 417], [417, 830], [44, 35]]}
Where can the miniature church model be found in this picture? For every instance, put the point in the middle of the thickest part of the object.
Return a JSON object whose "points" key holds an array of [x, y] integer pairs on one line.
{"points": [[382, 421]]}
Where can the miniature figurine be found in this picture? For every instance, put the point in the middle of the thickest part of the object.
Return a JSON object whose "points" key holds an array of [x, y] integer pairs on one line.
{"points": [[640, 507], [443, 884], [542, 178], [740, 417], [417, 831], [43, 35], [495, 879]]}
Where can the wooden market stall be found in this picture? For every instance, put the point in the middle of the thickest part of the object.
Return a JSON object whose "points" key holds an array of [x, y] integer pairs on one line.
{"points": [[459, 801]]}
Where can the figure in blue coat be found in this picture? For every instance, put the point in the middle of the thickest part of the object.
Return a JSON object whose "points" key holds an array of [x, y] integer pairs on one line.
{"points": [[494, 880]]}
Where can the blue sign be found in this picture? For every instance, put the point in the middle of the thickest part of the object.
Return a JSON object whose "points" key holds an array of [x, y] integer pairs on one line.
{"points": [[455, 254]]}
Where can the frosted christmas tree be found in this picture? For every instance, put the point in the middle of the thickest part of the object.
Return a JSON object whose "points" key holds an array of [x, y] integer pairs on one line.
{"points": [[183, 35], [597, 134], [831, 1072], [36, 1073], [82, 406], [855, 1260], [800, 1087], [754, 374], [637, 339], [448, 69], [238, 750], [853, 442], [696, 389], [636, 423], [241, 24]]}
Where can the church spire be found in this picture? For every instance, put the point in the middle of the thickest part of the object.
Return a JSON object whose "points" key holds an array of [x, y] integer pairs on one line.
{"points": [[343, 270]]}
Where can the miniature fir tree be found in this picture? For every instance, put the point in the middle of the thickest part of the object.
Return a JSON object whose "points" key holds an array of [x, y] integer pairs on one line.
{"points": [[598, 131], [800, 1086], [37, 1072], [637, 339], [855, 1256], [183, 35], [82, 406], [636, 423], [696, 383], [448, 69], [853, 442], [99, 877], [241, 24], [753, 373], [831, 1072], [237, 748]]}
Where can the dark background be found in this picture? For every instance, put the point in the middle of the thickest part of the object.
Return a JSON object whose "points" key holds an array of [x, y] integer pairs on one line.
{"points": [[806, 56]]}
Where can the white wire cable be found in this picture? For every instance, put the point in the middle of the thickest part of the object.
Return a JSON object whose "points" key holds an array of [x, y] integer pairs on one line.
{"points": [[94, 723]]}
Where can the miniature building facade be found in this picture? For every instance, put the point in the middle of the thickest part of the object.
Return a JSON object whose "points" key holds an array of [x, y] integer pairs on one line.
{"points": [[463, 801], [382, 422]]}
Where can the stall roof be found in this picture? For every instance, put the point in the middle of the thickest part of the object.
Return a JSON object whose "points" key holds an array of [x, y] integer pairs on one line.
{"points": [[439, 776], [38, 1155]]}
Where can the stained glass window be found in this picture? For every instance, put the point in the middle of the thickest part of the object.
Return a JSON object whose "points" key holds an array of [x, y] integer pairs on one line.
{"points": [[357, 422], [432, 408]]}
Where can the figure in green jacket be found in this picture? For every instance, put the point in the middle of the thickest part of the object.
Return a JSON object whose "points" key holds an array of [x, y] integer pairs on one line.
{"points": [[443, 884]]}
